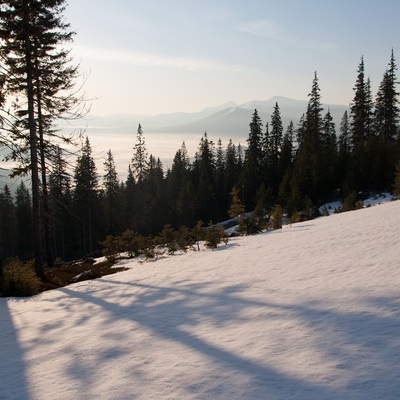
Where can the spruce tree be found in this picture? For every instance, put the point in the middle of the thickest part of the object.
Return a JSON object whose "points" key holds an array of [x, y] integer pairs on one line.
{"points": [[361, 130], [140, 160], [111, 194], [204, 173], [308, 163], [8, 225], [37, 78], [386, 119], [276, 137], [61, 207], [23, 211], [252, 173], [86, 197]]}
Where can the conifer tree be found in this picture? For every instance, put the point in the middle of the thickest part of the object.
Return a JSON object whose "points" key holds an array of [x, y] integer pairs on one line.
{"points": [[287, 150], [361, 130], [23, 211], [231, 166], [37, 77], [276, 147], [252, 173], [236, 208], [86, 197], [203, 173], [61, 206], [111, 193], [140, 162], [387, 112], [130, 199], [8, 225], [344, 169], [308, 163]]}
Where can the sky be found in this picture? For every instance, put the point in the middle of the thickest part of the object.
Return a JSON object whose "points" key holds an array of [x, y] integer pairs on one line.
{"points": [[158, 56]]}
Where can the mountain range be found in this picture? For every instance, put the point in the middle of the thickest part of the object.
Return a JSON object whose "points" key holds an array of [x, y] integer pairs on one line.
{"points": [[164, 133], [229, 119]]}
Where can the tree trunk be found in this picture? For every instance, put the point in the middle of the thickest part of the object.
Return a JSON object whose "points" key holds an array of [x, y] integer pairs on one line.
{"points": [[36, 203]]}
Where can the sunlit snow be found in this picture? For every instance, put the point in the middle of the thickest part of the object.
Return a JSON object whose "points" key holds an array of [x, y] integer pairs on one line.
{"points": [[311, 311]]}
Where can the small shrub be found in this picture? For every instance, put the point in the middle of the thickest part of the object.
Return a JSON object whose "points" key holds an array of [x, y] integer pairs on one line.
{"points": [[184, 238], [198, 233], [19, 279], [351, 202], [214, 235], [295, 217], [248, 225], [277, 215]]}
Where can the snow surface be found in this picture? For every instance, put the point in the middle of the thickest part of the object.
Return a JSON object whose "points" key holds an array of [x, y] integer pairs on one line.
{"points": [[311, 311]]}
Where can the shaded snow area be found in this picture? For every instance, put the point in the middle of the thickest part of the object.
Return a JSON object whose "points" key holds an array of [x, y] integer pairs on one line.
{"points": [[311, 311]]}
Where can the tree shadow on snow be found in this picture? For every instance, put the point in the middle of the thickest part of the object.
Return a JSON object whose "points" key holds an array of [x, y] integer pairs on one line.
{"points": [[13, 384], [359, 346]]}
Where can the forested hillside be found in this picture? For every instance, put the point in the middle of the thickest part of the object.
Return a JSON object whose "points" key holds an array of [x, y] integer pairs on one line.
{"points": [[71, 206]]}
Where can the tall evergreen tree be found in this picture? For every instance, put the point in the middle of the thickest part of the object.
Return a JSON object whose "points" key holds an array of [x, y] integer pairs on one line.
{"points": [[231, 166], [276, 147], [203, 172], [111, 194], [23, 211], [308, 163], [252, 173], [344, 169], [37, 77], [387, 112], [63, 217], [8, 225], [361, 129], [140, 162], [86, 198], [287, 149]]}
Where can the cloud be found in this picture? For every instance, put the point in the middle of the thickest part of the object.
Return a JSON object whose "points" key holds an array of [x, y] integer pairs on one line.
{"points": [[156, 60], [273, 30], [265, 28]]}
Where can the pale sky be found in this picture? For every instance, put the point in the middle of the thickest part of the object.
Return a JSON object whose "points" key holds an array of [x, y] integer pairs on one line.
{"points": [[162, 56]]}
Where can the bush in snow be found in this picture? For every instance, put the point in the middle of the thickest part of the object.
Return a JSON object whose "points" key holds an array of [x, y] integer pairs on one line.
{"points": [[215, 234], [19, 279]]}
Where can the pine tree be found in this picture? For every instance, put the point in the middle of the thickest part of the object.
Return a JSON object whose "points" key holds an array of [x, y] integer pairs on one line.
{"points": [[23, 211], [308, 163], [231, 166], [130, 199], [386, 117], [140, 161], [329, 180], [8, 225], [287, 150], [63, 217], [252, 173], [276, 147], [236, 208], [361, 130], [86, 197], [203, 173], [111, 193], [344, 170], [387, 112], [37, 78]]}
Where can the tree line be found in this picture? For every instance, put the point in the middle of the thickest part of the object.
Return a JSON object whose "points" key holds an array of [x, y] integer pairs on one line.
{"points": [[297, 167], [68, 210]]}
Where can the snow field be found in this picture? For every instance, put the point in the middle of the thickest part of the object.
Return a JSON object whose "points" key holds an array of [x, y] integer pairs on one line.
{"points": [[311, 311]]}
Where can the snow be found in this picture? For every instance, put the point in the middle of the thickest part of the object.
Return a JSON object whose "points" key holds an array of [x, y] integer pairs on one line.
{"points": [[311, 311]]}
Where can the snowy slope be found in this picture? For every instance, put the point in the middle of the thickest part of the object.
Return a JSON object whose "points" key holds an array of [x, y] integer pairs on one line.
{"points": [[308, 312]]}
